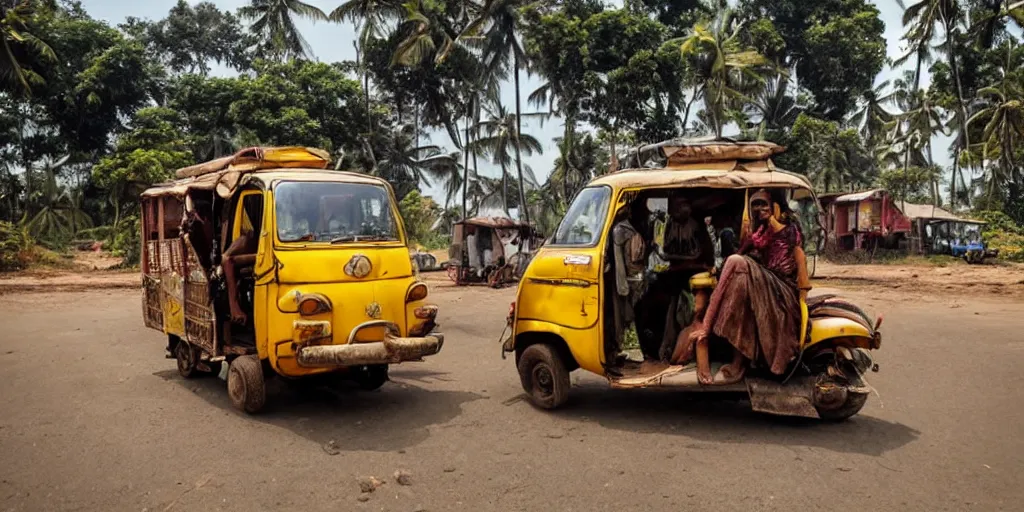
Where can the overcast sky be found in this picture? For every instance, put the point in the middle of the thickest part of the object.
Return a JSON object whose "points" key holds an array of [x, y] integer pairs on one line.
{"points": [[334, 42]]}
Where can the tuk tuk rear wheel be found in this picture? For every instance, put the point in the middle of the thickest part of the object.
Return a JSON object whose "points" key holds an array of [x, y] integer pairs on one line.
{"points": [[245, 384], [544, 376], [187, 357], [851, 406]]}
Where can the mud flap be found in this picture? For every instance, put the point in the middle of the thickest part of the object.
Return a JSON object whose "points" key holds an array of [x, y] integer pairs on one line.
{"points": [[794, 398]]}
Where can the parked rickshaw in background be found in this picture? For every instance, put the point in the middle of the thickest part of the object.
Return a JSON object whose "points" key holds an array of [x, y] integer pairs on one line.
{"points": [[567, 313], [491, 251], [959, 238], [317, 261]]}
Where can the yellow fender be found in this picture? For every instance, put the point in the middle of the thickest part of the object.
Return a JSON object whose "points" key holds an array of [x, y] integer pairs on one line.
{"points": [[803, 323]]}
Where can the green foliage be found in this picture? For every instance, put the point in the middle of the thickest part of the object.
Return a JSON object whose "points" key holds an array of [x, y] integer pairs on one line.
{"points": [[14, 243], [418, 215], [127, 241], [833, 158], [912, 185], [298, 102], [1002, 233], [837, 47], [191, 37], [148, 154]]}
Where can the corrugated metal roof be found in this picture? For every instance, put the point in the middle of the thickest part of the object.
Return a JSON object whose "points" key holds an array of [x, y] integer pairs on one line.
{"points": [[927, 211], [859, 196]]}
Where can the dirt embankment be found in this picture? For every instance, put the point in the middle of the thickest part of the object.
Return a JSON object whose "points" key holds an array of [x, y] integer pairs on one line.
{"points": [[921, 279]]}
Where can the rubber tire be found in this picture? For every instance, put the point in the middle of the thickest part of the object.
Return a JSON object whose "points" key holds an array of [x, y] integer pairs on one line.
{"points": [[544, 356], [372, 377], [246, 387], [853, 404], [187, 357]]}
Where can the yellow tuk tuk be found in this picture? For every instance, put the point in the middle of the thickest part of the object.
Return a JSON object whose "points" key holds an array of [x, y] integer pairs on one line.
{"points": [[565, 315], [268, 263]]}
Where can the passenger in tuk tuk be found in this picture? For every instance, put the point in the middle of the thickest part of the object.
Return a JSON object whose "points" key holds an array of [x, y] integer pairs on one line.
{"points": [[630, 256], [756, 304], [689, 250]]}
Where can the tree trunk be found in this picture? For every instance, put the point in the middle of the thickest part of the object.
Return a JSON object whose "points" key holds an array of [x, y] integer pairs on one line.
{"points": [[935, 179], [474, 134], [686, 114], [524, 214], [613, 165], [964, 141], [465, 164]]}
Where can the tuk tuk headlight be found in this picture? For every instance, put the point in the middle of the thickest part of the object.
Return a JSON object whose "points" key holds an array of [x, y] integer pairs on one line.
{"points": [[418, 291], [358, 267], [313, 305]]}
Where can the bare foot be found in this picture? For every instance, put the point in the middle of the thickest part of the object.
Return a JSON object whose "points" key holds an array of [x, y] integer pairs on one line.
{"points": [[732, 373], [700, 340]]}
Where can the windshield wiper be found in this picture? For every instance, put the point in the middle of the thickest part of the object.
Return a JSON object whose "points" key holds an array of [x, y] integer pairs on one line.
{"points": [[362, 238]]}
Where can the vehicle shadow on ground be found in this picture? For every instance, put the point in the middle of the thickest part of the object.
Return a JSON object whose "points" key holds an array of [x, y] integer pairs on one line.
{"points": [[704, 417], [392, 418]]}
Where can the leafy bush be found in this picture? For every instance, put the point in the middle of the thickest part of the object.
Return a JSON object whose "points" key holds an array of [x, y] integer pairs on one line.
{"points": [[1004, 234], [126, 242], [15, 244]]}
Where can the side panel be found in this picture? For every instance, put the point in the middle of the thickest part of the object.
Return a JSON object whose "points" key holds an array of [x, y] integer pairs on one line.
{"points": [[199, 317], [172, 286], [585, 345], [561, 286]]}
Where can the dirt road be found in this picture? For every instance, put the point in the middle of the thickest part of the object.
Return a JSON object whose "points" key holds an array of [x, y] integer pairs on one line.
{"points": [[92, 417]]}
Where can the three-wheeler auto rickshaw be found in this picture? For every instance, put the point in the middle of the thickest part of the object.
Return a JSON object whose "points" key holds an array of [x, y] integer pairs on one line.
{"points": [[565, 317], [320, 282]]}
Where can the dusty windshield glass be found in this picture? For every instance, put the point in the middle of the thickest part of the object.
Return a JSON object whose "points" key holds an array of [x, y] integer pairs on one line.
{"points": [[332, 212], [583, 222]]}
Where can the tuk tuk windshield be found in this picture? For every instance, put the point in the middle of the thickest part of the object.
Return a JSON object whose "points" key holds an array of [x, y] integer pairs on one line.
{"points": [[333, 212]]}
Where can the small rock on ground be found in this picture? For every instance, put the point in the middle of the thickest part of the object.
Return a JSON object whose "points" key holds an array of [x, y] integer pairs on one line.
{"points": [[331, 448], [369, 484], [403, 477]]}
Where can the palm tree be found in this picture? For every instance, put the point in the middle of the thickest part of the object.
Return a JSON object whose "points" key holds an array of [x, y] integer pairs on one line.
{"points": [[273, 21], [501, 50], [923, 121], [502, 136], [19, 47], [59, 211], [722, 64], [871, 117], [775, 109], [921, 18], [1004, 126], [397, 159]]}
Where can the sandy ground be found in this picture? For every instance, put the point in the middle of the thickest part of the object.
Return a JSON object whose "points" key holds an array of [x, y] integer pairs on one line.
{"points": [[92, 417]]}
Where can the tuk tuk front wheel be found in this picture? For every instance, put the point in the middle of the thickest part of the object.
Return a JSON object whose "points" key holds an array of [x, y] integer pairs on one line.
{"points": [[245, 384], [544, 376], [372, 377], [187, 357]]}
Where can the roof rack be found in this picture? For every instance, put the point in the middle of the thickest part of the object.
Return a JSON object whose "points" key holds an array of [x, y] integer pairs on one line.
{"points": [[256, 158], [697, 150]]}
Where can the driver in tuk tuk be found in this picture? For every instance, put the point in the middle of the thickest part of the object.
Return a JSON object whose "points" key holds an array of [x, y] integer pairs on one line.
{"points": [[240, 254], [756, 304]]}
